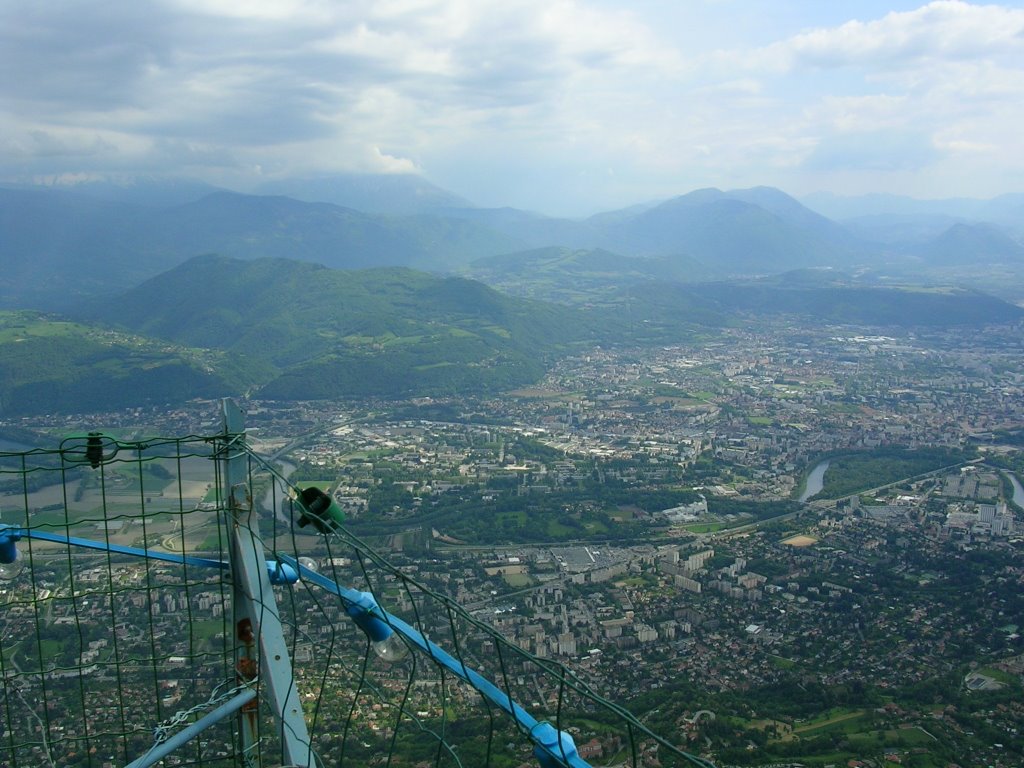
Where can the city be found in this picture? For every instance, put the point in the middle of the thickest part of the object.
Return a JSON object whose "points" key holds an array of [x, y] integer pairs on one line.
{"points": [[635, 516], [443, 384]]}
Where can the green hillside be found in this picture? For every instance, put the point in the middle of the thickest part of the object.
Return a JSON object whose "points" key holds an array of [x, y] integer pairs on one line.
{"points": [[389, 332], [49, 366]]}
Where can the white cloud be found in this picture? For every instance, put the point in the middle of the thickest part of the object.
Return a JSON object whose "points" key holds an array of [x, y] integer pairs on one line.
{"points": [[266, 76], [385, 163], [890, 101], [943, 30], [395, 51], [264, 10], [962, 146], [873, 112]]}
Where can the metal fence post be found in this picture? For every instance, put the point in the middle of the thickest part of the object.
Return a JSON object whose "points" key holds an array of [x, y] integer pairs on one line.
{"points": [[260, 647]]}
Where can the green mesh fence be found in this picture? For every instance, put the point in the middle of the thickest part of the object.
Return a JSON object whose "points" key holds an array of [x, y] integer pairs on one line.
{"points": [[104, 654], [98, 648]]}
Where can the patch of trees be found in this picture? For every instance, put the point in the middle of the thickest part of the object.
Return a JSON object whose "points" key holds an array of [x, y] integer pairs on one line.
{"points": [[31, 482], [404, 373], [851, 474]]}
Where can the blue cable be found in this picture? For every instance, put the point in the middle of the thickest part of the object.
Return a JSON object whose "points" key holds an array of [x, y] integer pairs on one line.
{"points": [[553, 747]]}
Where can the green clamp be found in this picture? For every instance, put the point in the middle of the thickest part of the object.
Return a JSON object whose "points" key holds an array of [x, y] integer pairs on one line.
{"points": [[318, 508]]}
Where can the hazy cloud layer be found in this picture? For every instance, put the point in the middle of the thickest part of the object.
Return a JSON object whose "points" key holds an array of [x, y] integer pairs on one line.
{"points": [[561, 105]]}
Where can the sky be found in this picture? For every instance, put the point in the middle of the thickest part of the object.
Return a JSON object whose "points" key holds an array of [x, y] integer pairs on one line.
{"points": [[561, 106]]}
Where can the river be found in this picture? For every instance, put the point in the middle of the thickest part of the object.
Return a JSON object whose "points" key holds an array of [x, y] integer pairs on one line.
{"points": [[1018, 491], [815, 480]]}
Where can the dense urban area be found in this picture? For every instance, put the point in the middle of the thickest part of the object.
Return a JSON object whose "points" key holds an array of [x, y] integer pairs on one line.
{"points": [[778, 545]]}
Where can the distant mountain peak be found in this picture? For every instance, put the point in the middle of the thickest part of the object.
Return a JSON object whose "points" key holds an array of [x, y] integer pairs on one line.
{"points": [[396, 194], [697, 197], [978, 243]]}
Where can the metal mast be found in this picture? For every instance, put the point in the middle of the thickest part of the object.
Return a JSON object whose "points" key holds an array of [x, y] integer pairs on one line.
{"points": [[260, 648]]}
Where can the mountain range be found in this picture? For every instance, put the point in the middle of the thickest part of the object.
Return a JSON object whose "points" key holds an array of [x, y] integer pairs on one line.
{"points": [[61, 247], [171, 291], [291, 330], [1005, 209], [64, 245]]}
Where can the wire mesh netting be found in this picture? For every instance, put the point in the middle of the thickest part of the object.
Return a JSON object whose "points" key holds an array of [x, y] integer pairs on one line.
{"points": [[106, 650], [97, 648]]}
